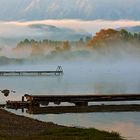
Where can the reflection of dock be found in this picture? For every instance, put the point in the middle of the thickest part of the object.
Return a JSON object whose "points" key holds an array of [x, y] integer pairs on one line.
{"points": [[17, 104], [58, 71], [82, 109]]}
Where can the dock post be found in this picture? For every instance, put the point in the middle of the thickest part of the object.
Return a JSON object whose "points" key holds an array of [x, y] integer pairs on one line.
{"points": [[22, 98], [22, 110]]}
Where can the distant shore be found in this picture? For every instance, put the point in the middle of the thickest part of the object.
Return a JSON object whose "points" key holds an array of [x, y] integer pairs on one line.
{"points": [[15, 127]]}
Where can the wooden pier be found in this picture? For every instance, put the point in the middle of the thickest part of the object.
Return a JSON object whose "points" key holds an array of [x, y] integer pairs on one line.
{"points": [[33, 103], [57, 72], [79, 100]]}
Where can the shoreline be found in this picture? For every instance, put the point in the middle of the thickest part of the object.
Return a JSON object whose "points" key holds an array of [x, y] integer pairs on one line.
{"points": [[18, 127], [18, 124]]}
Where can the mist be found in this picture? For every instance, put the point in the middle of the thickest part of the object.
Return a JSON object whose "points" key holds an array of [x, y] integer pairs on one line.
{"points": [[111, 69], [13, 32]]}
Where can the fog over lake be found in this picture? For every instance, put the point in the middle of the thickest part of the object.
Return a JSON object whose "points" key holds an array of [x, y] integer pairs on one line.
{"points": [[82, 78], [97, 43], [113, 72]]}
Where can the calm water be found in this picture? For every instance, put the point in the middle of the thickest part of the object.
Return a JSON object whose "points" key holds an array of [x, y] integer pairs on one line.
{"points": [[82, 78]]}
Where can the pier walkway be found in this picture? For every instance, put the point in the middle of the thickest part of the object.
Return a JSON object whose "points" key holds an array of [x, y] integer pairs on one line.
{"points": [[79, 100], [58, 71]]}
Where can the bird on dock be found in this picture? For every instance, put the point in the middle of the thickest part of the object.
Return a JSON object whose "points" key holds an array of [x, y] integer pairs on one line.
{"points": [[6, 92]]}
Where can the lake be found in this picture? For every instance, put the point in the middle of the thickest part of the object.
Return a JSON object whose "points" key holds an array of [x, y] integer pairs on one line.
{"points": [[81, 78]]}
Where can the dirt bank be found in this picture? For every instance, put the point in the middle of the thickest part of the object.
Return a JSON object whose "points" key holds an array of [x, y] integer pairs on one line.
{"points": [[15, 127]]}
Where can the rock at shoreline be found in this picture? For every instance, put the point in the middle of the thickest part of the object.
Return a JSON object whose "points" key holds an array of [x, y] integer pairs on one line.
{"points": [[14, 125]]}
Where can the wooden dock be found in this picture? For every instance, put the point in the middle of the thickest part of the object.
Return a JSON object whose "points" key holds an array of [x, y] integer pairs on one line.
{"points": [[79, 100], [57, 72], [35, 101]]}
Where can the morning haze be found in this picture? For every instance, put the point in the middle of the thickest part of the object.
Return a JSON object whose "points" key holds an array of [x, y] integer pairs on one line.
{"points": [[90, 47]]}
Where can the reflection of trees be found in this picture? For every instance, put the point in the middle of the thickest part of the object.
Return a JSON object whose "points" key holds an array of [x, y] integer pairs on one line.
{"points": [[108, 87]]}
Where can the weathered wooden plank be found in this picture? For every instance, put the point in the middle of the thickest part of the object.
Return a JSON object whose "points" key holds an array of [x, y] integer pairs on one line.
{"points": [[83, 98], [78, 100]]}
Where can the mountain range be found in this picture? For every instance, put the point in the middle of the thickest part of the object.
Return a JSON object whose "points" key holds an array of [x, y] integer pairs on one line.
{"points": [[69, 9], [40, 32], [56, 33]]}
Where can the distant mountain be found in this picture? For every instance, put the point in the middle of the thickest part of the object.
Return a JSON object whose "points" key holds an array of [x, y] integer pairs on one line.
{"points": [[57, 33], [40, 32], [69, 9]]}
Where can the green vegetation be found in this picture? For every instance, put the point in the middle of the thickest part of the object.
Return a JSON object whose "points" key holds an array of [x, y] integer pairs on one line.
{"points": [[106, 42], [48, 46], [105, 37], [69, 134]]}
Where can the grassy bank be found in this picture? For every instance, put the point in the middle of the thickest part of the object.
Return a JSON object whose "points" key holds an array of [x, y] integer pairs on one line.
{"points": [[68, 134], [14, 127]]}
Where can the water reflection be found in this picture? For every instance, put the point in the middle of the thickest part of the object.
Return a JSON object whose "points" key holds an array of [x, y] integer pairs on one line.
{"points": [[127, 124], [83, 109], [82, 79]]}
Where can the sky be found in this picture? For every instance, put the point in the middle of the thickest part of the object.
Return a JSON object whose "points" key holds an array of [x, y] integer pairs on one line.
{"points": [[28, 10]]}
